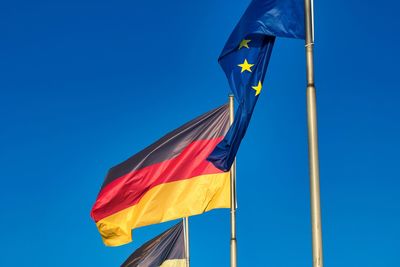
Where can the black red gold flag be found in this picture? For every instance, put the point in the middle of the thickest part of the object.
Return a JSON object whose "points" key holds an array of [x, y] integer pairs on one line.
{"points": [[165, 250], [170, 179]]}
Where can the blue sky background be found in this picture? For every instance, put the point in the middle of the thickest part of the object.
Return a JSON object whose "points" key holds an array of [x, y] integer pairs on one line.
{"points": [[85, 84]]}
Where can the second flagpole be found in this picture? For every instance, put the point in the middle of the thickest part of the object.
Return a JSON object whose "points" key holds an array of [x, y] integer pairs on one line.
{"points": [[233, 194]]}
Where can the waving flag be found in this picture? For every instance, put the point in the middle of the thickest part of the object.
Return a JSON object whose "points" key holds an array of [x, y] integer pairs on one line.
{"points": [[245, 59], [165, 250], [170, 179]]}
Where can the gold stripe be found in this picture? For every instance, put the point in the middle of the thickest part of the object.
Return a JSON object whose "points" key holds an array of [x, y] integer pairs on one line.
{"points": [[167, 202], [174, 263]]}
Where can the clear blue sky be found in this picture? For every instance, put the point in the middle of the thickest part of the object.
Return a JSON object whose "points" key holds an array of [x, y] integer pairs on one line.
{"points": [[85, 84]]}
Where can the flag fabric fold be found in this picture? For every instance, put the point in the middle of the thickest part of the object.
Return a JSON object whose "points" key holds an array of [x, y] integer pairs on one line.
{"points": [[170, 179], [245, 59], [164, 250]]}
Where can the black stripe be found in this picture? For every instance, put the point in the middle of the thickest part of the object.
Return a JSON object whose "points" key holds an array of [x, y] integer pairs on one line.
{"points": [[167, 246], [210, 125]]}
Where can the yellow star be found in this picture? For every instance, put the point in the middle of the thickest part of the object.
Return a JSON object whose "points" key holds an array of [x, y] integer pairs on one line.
{"points": [[244, 43], [257, 88], [245, 66]]}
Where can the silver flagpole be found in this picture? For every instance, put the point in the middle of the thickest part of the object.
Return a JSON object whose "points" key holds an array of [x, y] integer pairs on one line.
{"points": [[186, 235], [233, 195], [313, 138]]}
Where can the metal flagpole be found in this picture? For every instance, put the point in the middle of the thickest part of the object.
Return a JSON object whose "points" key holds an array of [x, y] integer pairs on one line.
{"points": [[186, 235], [233, 195], [313, 138]]}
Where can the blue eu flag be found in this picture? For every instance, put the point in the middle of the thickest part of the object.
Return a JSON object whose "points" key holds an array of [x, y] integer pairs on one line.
{"points": [[245, 58]]}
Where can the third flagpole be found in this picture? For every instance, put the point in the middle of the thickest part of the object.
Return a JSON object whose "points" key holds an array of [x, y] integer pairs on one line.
{"points": [[313, 138], [186, 236], [233, 194]]}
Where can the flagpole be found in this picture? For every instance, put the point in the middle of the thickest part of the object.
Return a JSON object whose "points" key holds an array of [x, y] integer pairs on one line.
{"points": [[186, 235], [313, 139], [233, 194]]}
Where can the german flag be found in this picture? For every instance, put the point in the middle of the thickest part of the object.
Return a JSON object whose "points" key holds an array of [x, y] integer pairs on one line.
{"points": [[165, 250], [170, 179]]}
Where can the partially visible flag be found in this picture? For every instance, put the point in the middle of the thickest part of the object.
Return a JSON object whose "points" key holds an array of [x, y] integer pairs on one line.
{"points": [[170, 179], [165, 250], [245, 58]]}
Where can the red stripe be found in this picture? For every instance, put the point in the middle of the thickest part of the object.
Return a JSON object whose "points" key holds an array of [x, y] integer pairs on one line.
{"points": [[128, 189]]}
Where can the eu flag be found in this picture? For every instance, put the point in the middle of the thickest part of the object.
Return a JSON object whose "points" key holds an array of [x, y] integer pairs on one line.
{"points": [[245, 59]]}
